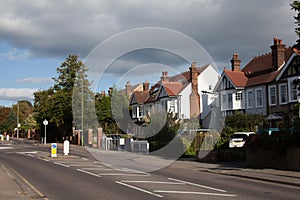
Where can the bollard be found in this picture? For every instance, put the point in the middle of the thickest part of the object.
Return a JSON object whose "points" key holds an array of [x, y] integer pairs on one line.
{"points": [[53, 150], [66, 147]]}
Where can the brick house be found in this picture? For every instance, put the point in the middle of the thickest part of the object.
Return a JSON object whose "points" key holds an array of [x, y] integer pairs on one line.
{"points": [[181, 95], [264, 85]]}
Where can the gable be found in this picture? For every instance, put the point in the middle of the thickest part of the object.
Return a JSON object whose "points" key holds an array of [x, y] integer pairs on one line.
{"points": [[291, 68]]}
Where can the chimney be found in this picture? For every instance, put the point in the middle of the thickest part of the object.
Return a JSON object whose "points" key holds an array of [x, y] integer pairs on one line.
{"points": [[165, 77], [235, 63], [128, 88], [278, 50], [194, 96], [146, 86]]}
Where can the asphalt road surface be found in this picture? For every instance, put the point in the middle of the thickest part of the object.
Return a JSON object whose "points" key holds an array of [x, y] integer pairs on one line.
{"points": [[83, 177]]}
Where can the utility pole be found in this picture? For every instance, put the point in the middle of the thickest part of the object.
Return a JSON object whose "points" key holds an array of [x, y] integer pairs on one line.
{"points": [[18, 110]]}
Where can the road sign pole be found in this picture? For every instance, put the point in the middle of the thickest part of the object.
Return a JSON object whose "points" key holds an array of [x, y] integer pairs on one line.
{"points": [[45, 122]]}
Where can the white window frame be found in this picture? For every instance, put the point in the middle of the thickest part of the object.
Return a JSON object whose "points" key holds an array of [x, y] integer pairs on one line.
{"points": [[291, 91], [280, 93], [256, 98], [238, 96], [275, 93], [248, 98]]}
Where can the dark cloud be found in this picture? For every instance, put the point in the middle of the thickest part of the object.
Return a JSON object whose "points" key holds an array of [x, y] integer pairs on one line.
{"points": [[56, 29]]}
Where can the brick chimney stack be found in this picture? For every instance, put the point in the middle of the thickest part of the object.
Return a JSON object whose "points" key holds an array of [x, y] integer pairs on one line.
{"points": [[235, 63], [146, 86], [278, 50], [128, 88], [165, 77], [194, 96]]}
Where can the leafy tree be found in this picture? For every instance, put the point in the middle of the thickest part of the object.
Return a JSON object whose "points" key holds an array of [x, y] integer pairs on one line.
{"points": [[296, 6], [104, 113], [55, 104]]}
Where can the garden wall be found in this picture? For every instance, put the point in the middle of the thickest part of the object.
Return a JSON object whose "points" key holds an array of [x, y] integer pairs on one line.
{"points": [[286, 159]]}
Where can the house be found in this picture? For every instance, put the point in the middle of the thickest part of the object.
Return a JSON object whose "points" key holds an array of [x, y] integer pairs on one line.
{"points": [[184, 95], [263, 86]]}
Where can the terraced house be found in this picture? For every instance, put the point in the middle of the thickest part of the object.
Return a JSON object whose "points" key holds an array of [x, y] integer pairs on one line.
{"points": [[263, 86]]}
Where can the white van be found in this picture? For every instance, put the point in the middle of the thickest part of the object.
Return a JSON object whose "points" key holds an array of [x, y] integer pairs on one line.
{"points": [[238, 139]]}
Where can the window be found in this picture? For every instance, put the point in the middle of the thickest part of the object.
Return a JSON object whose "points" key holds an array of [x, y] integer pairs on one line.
{"points": [[282, 93], [141, 111], [258, 95], [172, 106], [224, 98], [250, 102], [293, 91], [238, 96], [272, 95]]}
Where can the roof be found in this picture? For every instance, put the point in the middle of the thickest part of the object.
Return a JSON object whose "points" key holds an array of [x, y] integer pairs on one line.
{"points": [[140, 97], [238, 78], [173, 88], [257, 71]]}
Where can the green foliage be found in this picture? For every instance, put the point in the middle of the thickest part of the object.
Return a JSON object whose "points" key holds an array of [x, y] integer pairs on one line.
{"points": [[236, 123], [165, 135], [296, 6], [55, 104]]}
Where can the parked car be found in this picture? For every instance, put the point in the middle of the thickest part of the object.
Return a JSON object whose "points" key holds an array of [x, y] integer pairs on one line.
{"points": [[238, 139]]}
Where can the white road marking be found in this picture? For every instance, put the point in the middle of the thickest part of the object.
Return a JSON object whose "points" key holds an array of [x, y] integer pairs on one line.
{"points": [[3, 148], [90, 173], [139, 189], [155, 182], [27, 152], [198, 193], [85, 159], [122, 174], [57, 163], [198, 185], [44, 159], [108, 165], [134, 171]]}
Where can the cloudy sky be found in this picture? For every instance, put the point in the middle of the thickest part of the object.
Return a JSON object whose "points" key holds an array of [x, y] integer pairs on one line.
{"points": [[37, 35]]}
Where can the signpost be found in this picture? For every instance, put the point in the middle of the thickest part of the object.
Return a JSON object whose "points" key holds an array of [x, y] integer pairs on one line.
{"points": [[45, 122]]}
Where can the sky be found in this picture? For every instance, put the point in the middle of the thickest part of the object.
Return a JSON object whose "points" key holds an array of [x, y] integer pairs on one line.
{"points": [[132, 40]]}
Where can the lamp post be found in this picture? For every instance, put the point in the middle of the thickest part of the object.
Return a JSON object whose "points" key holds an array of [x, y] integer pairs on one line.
{"points": [[45, 122]]}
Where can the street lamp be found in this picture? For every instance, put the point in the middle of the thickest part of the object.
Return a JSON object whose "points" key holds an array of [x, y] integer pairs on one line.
{"points": [[45, 122]]}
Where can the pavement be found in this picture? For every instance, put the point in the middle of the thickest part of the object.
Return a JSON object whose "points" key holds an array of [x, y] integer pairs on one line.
{"points": [[12, 186]]}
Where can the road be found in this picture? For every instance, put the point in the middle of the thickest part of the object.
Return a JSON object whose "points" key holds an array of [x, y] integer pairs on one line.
{"points": [[83, 177]]}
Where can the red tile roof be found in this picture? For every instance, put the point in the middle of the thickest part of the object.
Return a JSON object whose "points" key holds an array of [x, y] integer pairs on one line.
{"points": [[173, 88], [238, 78], [257, 71], [141, 97]]}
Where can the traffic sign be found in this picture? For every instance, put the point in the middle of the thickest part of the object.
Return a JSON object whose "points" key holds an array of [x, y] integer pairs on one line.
{"points": [[53, 150]]}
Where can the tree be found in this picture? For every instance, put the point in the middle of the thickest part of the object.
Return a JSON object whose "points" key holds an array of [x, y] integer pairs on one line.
{"points": [[104, 113], [55, 104], [296, 6]]}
